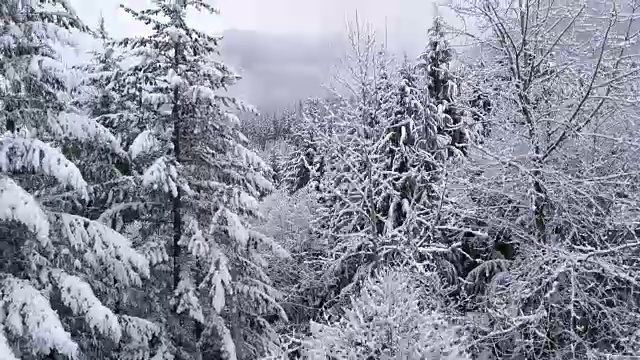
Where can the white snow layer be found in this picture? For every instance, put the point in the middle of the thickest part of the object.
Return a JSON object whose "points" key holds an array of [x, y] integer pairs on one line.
{"points": [[105, 247], [79, 297], [82, 128], [19, 154], [143, 143], [18, 205], [5, 350], [162, 175], [26, 312]]}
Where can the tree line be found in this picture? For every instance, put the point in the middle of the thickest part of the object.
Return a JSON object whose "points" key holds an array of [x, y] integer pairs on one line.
{"points": [[478, 202]]}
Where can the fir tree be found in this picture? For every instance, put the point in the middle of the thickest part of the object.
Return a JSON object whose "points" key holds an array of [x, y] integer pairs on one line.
{"points": [[196, 163], [441, 88], [409, 158], [57, 265], [305, 164]]}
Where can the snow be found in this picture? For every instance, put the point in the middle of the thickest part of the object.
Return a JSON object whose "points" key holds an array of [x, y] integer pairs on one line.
{"points": [[270, 244], [199, 92], [174, 80], [250, 158], [228, 346], [156, 99], [34, 67], [79, 297], [175, 34], [113, 212], [23, 154], [196, 243], [5, 350], [18, 205], [232, 119], [219, 266], [143, 143], [161, 174], [104, 247], [26, 312], [140, 330], [188, 299], [236, 228], [82, 128], [247, 201], [218, 300]]}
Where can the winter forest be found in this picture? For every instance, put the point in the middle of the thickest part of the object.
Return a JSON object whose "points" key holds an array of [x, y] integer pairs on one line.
{"points": [[480, 201]]}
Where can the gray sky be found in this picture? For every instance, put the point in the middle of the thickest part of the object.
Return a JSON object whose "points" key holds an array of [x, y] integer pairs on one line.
{"points": [[308, 20], [407, 20]]}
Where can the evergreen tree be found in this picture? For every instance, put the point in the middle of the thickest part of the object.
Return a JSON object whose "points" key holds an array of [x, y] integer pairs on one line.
{"points": [[384, 92], [195, 163], [305, 164], [441, 88], [56, 264], [409, 158]]}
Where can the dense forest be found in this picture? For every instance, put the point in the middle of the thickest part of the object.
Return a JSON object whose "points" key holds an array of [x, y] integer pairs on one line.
{"points": [[480, 201]]}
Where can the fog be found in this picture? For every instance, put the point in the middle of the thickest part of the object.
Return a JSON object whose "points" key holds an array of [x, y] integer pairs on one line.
{"points": [[284, 49]]}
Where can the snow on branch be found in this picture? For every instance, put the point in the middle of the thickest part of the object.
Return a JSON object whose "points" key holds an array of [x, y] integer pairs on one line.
{"points": [[140, 330], [250, 158], [5, 350], [103, 246], [26, 312], [186, 299], [78, 296], [162, 174], [228, 346], [266, 301], [18, 205], [19, 154], [218, 277], [142, 144], [194, 239], [84, 129], [236, 229]]}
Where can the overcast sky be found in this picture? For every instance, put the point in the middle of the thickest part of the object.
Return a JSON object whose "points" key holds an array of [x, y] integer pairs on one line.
{"points": [[279, 84], [407, 20]]}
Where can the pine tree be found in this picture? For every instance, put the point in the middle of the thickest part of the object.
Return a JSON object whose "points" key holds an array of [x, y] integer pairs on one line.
{"points": [[305, 164], [197, 165], [384, 92], [441, 88], [57, 265], [409, 156]]}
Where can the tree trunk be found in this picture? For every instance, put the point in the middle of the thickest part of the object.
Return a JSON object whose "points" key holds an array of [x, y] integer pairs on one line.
{"points": [[177, 200]]}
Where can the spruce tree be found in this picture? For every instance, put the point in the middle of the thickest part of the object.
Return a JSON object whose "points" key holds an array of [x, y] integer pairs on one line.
{"points": [[194, 161], [305, 164], [56, 264], [408, 157], [440, 89]]}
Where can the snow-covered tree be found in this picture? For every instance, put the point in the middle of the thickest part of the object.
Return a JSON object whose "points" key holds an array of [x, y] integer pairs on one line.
{"points": [[441, 88], [379, 196], [56, 264], [410, 155], [305, 164], [194, 160], [394, 316], [556, 179]]}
